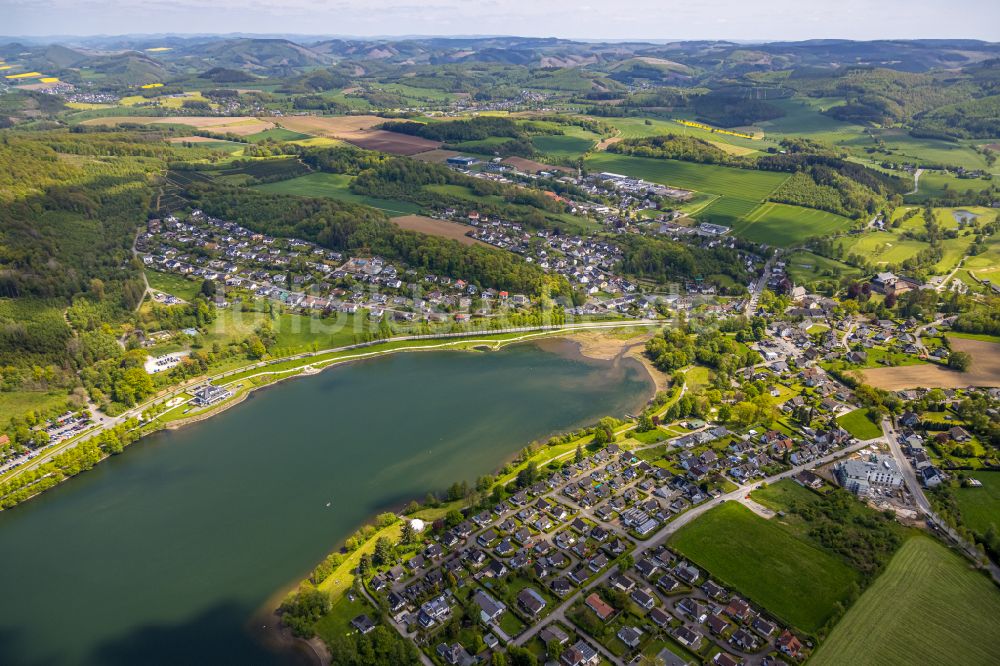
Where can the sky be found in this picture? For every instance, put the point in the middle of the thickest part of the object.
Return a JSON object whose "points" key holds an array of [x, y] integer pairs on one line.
{"points": [[573, 19]]}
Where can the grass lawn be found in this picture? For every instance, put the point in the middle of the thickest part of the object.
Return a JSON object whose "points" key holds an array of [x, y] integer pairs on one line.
{"points": [[337, 623], [927, 608], [883, 247], [18, 403], [173, 284], [805, 266], [782, 495], [858, 424], [784, 225], [336, 186], [797, 582], [697, 377], [980, 507]]}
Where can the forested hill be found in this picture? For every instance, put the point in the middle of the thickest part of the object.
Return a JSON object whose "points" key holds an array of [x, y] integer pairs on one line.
{"points": [[351, 228]]}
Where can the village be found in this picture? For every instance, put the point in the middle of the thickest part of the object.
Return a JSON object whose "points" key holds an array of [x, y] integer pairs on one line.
{"points": [[575, 565]]}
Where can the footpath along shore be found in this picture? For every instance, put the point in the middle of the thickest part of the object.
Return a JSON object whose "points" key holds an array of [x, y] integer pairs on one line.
{"points": [[308, 363]]}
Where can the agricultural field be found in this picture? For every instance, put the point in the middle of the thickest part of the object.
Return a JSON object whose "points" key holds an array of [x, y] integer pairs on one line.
{"points": [[331, 126], [336, 186], [443, 228], [393, 143], [166, 101], [630, 128], [358, 130], [739, 191], [726, 210], [985, 370], [278, 134], [928, 607], [784, 225], [240, 126], [803, 118], [438, 156], [566, 145], [531, 166], [904, 147], [797, 582], [980, 507], [726, 181], [858, 424]]}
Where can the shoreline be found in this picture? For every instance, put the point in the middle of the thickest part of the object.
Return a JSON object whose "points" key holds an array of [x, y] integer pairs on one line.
{"points": [[604, 347], [265, 627], [266, 623], [595, 350]]}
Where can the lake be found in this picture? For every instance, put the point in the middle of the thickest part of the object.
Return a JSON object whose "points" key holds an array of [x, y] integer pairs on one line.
{"points": [[164, 554]]}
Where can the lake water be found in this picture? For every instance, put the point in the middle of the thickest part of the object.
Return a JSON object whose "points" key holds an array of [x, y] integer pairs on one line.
{"points": [[164, 554]]}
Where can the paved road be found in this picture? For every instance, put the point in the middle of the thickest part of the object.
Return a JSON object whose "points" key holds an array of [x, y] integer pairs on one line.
{"points": [[924, 505], [759, 285], [680, 521], [106, 422]]}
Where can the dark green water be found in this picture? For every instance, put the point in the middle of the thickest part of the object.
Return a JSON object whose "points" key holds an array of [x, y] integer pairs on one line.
{"points": [[163, 555]]}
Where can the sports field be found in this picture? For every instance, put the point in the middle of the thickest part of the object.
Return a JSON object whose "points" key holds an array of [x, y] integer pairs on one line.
{"points": [[336, 186], [784, 225], [797, 582], [928, 607]]}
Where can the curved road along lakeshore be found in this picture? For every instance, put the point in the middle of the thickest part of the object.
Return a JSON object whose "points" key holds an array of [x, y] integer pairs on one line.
{"points": [[107, 422]]}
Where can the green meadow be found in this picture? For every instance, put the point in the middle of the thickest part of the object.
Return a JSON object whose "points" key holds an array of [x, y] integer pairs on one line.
{"points": [[784, 225], [726, 181], [336, 186], [794, 580], [928, 607]]}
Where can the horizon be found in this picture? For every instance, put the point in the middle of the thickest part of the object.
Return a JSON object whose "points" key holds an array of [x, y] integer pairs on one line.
{"points": [[307, 36], [715, 20]]}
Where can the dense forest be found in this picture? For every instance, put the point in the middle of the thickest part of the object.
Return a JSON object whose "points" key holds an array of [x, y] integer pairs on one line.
{"points": [[664, 260], [70, 213]]}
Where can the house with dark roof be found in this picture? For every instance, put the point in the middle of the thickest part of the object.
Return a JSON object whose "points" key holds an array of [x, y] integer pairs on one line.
{"points": [[531, 601]]}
